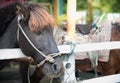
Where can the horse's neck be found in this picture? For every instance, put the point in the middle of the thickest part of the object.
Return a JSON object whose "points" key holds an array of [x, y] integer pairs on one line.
{"points": [[8, 39]]}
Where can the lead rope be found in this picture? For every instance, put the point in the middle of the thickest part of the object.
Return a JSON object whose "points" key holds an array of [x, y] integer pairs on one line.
{"points": [[48, 57], [28, 75], [51, 80]]}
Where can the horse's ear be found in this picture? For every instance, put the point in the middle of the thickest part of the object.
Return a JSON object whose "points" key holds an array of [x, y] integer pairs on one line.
{"points": [[21, 10]]}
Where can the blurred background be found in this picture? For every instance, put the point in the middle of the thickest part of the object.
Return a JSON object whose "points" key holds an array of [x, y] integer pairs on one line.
{"points": [[87, 11]]}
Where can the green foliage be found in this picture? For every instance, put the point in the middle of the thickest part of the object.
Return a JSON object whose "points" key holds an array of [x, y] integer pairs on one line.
{"points": [[102, 5], [107, 5], [62, 18], [98, 7], [115, 6], [81, 5]]}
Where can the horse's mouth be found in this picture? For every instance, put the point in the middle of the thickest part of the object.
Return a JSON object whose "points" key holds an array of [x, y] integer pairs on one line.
{"points": [[56, 75], [53, 74]]}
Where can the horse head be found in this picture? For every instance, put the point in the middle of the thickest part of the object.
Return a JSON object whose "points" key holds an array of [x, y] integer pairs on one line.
{"points": [[36, 38]]}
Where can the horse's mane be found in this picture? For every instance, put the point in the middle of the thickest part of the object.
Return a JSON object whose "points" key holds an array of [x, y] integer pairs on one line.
{"points": [[39, 17]]}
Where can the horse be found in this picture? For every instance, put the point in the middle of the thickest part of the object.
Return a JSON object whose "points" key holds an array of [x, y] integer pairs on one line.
{"points": [[112, 66], [29, 26], [105, 67]]}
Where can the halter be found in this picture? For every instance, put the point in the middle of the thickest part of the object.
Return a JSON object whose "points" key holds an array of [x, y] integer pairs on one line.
{"points": [[49, 57]]}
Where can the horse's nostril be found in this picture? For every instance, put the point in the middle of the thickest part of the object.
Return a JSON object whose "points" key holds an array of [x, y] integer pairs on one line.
{"points": [[55, 67]]}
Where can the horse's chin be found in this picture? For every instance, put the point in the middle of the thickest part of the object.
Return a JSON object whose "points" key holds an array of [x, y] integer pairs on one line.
{"points": [[54, 75]]}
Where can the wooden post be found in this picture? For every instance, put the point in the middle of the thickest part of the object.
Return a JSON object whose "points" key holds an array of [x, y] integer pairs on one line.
{"points": [[90, 11], [56, 11], [71, 11]]}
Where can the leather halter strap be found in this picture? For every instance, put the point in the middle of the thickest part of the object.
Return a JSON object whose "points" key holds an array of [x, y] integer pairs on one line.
{"points": [[49, 57]]}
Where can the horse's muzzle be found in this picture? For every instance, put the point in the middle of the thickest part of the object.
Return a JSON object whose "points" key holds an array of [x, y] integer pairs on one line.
{"points": [[53, 70]]}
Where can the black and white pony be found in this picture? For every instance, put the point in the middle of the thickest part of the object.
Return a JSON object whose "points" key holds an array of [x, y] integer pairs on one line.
{"points": [[29, 27]]}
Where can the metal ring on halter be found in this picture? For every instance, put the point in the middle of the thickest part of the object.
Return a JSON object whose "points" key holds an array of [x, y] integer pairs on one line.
{"points": [[49, 58]]}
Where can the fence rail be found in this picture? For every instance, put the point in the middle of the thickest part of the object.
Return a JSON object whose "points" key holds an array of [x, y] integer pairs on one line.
{"points": [[16, 53]]}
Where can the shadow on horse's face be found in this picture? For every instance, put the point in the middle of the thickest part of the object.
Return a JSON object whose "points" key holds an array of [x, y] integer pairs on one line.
{"points": [[42, 39]]}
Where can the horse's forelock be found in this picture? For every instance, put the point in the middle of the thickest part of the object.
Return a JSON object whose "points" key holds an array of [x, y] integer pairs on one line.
{"points": [[39, 17]]}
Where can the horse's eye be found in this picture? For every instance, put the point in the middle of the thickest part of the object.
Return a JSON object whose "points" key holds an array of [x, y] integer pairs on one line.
{"points": [[38, 32]]}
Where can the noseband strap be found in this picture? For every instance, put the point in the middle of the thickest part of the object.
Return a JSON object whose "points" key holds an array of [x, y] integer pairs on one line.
{"points": [[49, 58]]}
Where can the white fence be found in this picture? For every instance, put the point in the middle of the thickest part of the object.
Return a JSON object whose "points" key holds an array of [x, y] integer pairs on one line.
{"points": [[69, 70], [16, 53]]}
